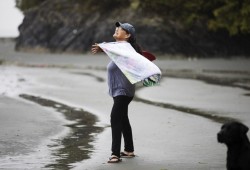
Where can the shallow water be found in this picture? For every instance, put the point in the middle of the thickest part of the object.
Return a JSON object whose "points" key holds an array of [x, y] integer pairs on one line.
{"points": [[76, 146]]}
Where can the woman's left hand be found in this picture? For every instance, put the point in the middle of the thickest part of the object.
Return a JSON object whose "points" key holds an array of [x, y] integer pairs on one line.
{"points": [[95, 49]]}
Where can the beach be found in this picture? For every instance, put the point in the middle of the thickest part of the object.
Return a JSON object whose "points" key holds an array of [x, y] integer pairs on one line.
{"points": [[55, 112]]}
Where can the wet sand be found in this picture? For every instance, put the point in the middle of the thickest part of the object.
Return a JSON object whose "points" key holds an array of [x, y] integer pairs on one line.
{"points": [[174, 124], [25, 132]]}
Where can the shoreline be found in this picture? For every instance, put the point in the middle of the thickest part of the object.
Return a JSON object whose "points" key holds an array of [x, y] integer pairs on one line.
{"points": [[79, 82], [68, 146], [83, 131], [26, 130]]}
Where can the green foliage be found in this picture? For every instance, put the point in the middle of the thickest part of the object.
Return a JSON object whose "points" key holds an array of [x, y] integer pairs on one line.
{"points": [[27, 4], [231, 15], [89, 4], [102, 5], [182, 11]]}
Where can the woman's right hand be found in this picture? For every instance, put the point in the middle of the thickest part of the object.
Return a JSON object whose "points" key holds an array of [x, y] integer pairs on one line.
{"points": [[95, 49]]}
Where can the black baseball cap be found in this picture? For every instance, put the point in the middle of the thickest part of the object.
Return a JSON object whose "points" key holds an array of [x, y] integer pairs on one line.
{"points": [[127, 27]]}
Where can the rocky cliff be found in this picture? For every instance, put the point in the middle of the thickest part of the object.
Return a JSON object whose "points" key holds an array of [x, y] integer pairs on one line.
{"points": [[68, 26]]}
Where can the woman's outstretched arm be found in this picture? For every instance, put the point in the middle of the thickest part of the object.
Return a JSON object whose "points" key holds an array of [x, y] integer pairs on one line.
{"points": [[95, 49]]}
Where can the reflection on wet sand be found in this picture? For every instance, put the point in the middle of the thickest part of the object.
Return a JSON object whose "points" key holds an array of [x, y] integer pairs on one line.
{"points": [[209, 115], [76, 146]]}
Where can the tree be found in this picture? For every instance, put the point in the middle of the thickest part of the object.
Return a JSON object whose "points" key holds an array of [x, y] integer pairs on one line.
{"points": [[27, 4], [232, 15]]}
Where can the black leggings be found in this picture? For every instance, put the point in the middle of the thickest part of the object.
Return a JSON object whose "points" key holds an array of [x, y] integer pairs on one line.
{"points": [[120, 125]]}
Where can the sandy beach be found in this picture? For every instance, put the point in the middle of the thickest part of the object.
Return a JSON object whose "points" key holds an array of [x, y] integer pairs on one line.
{"points": [[55, 108]]}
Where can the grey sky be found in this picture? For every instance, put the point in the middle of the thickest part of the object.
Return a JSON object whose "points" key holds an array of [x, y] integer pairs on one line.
{"points": [[10, 18]]}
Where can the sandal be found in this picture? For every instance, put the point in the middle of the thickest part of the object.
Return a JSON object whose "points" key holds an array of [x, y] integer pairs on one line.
{"points": [[114, 159], [124, 155]]}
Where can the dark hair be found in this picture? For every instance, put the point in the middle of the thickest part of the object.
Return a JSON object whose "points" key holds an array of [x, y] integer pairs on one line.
{"points": [[132, 41]]}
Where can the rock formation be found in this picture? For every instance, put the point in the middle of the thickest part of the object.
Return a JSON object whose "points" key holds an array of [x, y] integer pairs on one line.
{"points": [[66, 26]]}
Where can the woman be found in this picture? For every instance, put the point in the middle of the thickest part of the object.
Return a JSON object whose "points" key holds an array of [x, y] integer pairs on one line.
{"points": [[122, 92]]}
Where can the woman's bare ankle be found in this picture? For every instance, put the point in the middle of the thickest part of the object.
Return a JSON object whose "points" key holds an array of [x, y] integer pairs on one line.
{"points": [[128, 153]]}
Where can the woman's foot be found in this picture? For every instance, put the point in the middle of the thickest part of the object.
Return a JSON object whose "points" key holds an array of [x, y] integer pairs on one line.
{"points": [[126, 154], [114, 159]]}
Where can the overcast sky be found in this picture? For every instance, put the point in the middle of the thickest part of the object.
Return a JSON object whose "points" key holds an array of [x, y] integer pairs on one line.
{"points": [[10, 18]]}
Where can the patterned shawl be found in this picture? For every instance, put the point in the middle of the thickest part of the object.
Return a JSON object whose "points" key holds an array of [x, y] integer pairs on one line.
{"points": [[134, 66]]}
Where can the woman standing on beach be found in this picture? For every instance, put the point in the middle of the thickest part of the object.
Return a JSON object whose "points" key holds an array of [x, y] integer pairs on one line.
{"points": [[122, 92]]}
